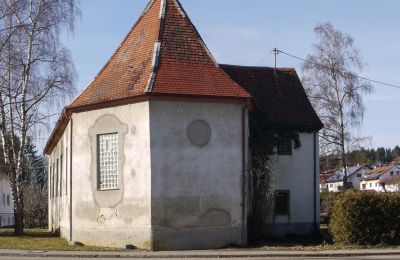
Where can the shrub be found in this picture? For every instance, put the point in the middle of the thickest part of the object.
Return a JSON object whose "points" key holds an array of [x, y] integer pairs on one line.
{"points": [[366, 218]]}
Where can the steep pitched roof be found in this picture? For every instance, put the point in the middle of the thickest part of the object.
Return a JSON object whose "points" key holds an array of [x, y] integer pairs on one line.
{"points": [[281, 97], [162, 54], [382, 169], [354, 169]]}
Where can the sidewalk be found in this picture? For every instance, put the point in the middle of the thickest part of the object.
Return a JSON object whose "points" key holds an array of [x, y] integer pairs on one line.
{"points": [[226, 253]]}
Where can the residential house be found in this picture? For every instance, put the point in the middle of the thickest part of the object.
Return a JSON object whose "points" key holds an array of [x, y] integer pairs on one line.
{"points": [[371, 182], [323, 177], [379, 176], [355, 173], [335, 181], [6, 203], [280, 96], [154, 153]]}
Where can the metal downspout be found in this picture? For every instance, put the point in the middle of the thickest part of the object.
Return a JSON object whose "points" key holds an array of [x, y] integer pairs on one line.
{"points": [[70, 182], [315, 182], [244, 220]]}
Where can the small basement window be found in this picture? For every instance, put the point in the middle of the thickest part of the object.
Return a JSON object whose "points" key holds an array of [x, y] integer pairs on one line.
{"points": [[282, 203], [108, 165], [285, 145]]}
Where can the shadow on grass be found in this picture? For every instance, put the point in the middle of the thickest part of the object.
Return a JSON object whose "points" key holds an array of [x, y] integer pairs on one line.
{"points": [[317, 239], [28, 233]]}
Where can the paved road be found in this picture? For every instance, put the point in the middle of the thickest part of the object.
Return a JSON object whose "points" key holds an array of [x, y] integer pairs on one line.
{"points": [[269, 258]]}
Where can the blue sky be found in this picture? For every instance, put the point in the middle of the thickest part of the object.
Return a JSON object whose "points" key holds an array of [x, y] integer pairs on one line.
{"points": [[244, 32]]}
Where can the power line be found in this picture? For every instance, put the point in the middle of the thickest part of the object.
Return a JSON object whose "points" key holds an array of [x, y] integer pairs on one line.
{"points": [[346, 73]]}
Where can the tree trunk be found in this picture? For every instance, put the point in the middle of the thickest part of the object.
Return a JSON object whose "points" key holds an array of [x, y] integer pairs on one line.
{"points": [[19, 221]]}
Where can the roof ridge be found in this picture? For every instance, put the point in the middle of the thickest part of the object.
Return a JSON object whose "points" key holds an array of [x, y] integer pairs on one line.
{"points": [[257, 67], [147, 8]]}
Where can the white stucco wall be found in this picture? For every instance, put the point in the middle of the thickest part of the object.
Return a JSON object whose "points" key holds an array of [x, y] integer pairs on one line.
{"points": [[335, 186], [295, 173], [371, 185], [196, 191], [128, 220], [6, 210], [355, 180]]}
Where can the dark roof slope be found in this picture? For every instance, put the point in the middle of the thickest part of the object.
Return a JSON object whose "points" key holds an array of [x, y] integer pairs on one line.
{"points": [[283, 97]]}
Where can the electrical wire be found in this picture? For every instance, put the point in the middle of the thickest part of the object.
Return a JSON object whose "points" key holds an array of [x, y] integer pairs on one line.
{"points": [[346, 73]]}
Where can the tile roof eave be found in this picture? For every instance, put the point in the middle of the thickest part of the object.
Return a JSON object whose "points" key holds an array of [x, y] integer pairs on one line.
{"points": [[68, 111]]}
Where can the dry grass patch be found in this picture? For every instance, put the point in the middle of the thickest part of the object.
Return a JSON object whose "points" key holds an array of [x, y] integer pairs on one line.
{"points": [[39, 239]]}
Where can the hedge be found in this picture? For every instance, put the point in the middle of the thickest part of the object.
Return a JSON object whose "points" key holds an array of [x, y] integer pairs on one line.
{"points": [[365, 218]]}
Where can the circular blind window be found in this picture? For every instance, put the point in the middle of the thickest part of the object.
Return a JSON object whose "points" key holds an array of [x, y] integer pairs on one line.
{"points": [[199, 133]]}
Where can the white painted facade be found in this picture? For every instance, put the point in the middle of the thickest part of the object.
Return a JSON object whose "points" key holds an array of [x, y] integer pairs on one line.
{"points": [[6, 203], [392, 172], [172, 194], [371, 185], [299, 174], [355, 176], [382, 182], [335, 186]]}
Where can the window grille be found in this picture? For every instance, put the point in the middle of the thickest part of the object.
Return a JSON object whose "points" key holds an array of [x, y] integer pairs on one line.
{"points": [[285, 145], [282, 203], [108, 161]]}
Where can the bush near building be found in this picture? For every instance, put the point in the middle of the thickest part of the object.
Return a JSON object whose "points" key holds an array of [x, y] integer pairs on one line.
{"points": [[364, 218]]}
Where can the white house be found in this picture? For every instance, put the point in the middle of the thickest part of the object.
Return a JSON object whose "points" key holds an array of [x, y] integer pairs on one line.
{"points": [[371, 183], [381, 178], [355, 173], [335, 181], [154, 153], [6, 203], [280, 95]]}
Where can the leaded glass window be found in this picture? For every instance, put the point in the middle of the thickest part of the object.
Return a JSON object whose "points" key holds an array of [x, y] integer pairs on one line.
{"points": [[108, 171]]}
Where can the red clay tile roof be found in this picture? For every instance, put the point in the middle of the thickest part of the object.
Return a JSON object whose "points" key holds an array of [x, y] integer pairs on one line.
{"points": [[282, 98], [381, 170], [396, 160], [323, 177], [162, 54]]}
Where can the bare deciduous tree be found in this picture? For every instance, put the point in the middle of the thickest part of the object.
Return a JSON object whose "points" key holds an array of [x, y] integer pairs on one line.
{"points": [[35, 71], [330, 78], [262, 195]]}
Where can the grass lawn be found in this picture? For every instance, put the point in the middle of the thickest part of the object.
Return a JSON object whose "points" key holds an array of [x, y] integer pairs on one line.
{"points": [[42, 240], [39, 239], [320, 242]]}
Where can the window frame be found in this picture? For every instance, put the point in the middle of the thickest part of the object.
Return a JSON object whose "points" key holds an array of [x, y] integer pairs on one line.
{"points": [[281, 212], [98, 171], [288, 143]]}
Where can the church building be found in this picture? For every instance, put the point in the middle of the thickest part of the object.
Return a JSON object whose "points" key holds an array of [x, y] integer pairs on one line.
{"points": [[155, 154]]}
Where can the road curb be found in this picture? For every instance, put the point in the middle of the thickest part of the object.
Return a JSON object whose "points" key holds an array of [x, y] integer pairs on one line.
{"points": [[162, 255]]}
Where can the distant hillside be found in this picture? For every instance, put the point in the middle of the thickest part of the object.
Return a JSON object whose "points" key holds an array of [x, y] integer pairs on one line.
{"points": [[361, 156]]}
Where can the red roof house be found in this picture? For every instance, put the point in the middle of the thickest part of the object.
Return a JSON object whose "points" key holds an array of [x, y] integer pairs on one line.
{"points": [[154, 152]]}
